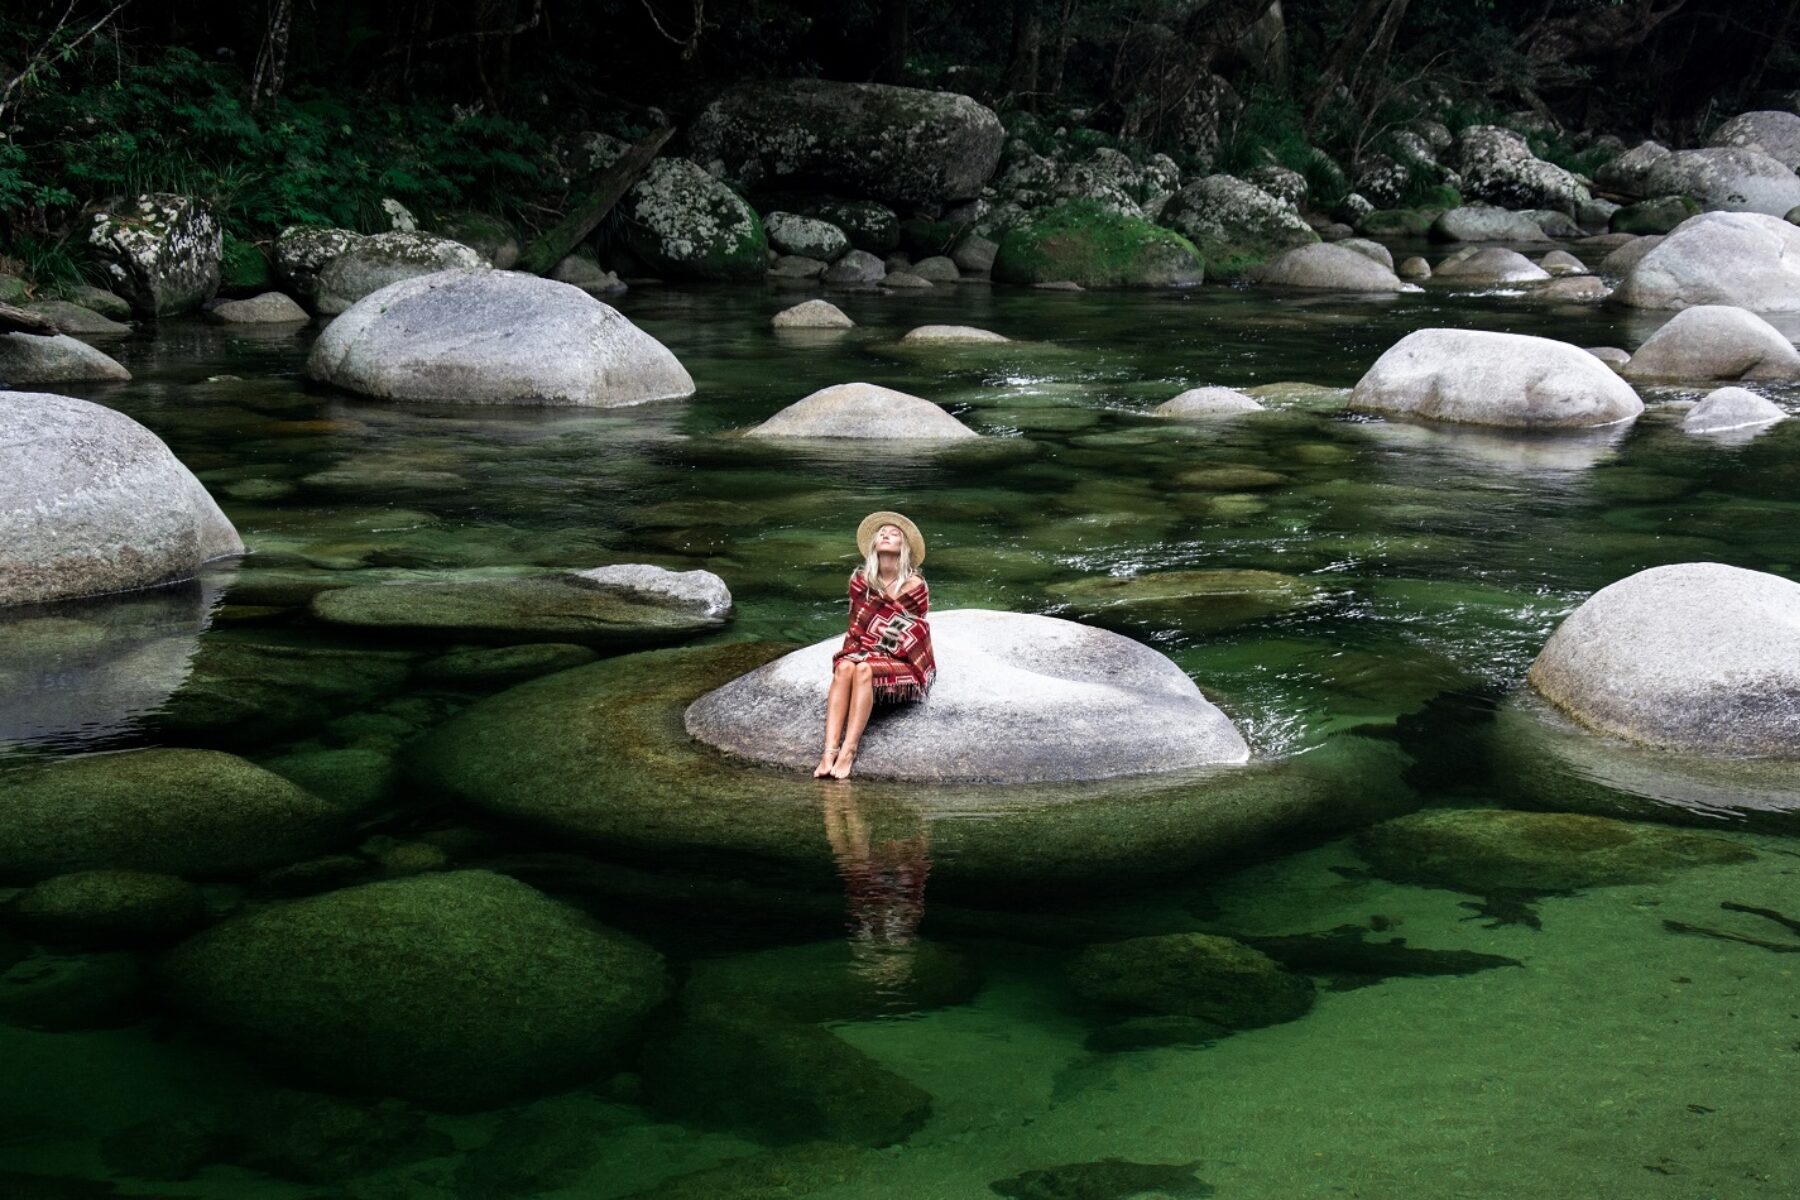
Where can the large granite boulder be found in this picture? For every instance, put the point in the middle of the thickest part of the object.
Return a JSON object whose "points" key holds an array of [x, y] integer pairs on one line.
{"points": [[494, 337], [270, 308], [1731, 410], [1083, 243], [1499, 167], [1234, 225], [685, 224], [1630, 172], [1774, 133], [1700, 658], [161, 254], [369, 264], [869, 226], [1010, 690], [181, 812], [790, 233], [91, 501], [460, 990], [1505, 379], [1726, 178], [862, 410], [1747, 260], [1329, 267], [902, 146], [1495, 264], [1474, 223], [55, 358], [1715, 341], [302, 251]]}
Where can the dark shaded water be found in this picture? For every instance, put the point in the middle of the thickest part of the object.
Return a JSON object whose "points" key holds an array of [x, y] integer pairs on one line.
{"points": [[1410, 577]]}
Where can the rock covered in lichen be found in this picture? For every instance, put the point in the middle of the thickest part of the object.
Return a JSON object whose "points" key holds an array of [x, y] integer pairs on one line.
{"points": [[899, 145], [369, 264], [1498, 166], [1234, 225], [790, 233], [161, 254], [685, 224], [302, 251]]}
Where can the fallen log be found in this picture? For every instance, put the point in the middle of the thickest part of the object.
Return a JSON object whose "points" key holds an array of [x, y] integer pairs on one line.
{"points": [[23, 320], [552, 245]]}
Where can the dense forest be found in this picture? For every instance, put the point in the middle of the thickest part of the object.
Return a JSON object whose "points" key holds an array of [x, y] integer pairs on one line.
{"points": [[281, 113]]}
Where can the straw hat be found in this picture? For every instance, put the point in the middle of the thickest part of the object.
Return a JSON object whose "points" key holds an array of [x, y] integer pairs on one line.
{"points": [[865, 534]]}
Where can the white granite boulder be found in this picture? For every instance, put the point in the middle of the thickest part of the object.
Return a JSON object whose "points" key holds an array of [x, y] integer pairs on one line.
{"points": [[1747, 260], [494, 337], [1492, 265], [1726, 179], [1774, 133], [1498, 166], [161, 254], [1476, 223], [55, 358], [1715, 341], [701, 591], [1503, 379], [1199, 403], [812, 314], [965, 334], [1329, 267], [91, 501], [862, 410], [302, 251], [1018, 699], [1701, 658], [270, 308], [791, 233], [369, 264], [1731, 409]]}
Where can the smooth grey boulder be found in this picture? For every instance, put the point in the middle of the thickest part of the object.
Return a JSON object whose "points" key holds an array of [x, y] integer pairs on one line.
{"points": [[1715, 341], [1729, 409], [161, 254], [494, 337], [1492, 265], [1774, 133], [1504, 379], [57, 358], [1561, 262], [974, 254], [862, 410], [1373, 251], [795, 266], [938, 268], [460, 990], [1329, 267], [701, 591], [369, 264], [812, 314], [177, 812], [1555, 224], [1018, 699], [905, 280], [902, 146], [1747, 260], [1700, 658], [76, 320], [302, 251], [1630, 172], [856, 268], [270, 308], [102, 908], [1612, 356], [1472, 223], [1621, 259], [966, 334], [580, 271], [1413, 267], [790, 233], [91, 501], [1498, 166], [1206, 402], [1727, 179]]}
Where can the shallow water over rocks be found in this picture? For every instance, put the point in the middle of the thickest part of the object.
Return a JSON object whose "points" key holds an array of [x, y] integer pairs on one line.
{"points": [[1404, 576]]}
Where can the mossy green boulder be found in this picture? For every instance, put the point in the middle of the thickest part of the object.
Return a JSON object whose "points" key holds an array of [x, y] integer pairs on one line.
{"points": [[1203, 598], [685, 224], [102, 908], [1657, 215], [244, 268], [1397, 222], [459, 990], [836, 980], [245, 691], [1192, 975], [1084, 243], [1234, 225], [179, 812], [1483, 850]]}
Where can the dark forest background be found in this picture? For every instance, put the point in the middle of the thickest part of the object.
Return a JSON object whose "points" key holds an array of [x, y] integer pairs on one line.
{"points": [[311, 111]]}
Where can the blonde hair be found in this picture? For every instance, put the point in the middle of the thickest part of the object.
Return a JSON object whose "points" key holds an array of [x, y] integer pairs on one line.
{"points": [[904, 569]]}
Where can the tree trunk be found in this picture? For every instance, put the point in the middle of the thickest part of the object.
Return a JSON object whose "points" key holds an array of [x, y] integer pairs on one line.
{"points": [[1027, 41], [271, 59], [549, 247], [895, 32], [1353, 42], [1059, 53]]}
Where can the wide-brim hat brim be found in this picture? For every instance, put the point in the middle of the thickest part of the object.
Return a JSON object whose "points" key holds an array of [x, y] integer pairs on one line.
{"points": [[865, 534]]}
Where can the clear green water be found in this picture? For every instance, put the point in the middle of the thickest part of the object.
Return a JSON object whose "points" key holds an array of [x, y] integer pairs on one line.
{"points": [[1427, 568]]}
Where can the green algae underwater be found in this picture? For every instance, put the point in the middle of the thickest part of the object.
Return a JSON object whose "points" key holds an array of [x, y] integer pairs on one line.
{"points": [[1449, 947]]}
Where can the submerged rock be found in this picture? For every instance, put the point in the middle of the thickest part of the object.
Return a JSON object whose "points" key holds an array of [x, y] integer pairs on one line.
{"points": [[178, 812], [91, 501], [75, 320], [445, 965], [502, 666], [812, 314], [1701, 658], [1715, 341], [1010, 686], [685, 224], [57, 358], [243, 692], [162, 254], [1731, 408], [831, 981], [1329, 267], [965, 334], [367, 265], [565, 607], [99, 908], [1081, 242], [902, 146], [1504, 379], [494, 337], [1202, 598], [1485, 850], [1196, 403], [862, 410], [1192, 975]]}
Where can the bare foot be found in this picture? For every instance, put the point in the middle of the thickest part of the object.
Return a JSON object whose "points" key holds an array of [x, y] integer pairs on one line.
{"points": [[846, 759], [824, 767]]}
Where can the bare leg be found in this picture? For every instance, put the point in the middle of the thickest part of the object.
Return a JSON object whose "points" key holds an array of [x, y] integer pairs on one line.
{"points": [[837, 703], [862, 703]]}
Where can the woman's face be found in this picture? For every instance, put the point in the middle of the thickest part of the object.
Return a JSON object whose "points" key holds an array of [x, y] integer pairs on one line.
{"points": [[889, 539]]}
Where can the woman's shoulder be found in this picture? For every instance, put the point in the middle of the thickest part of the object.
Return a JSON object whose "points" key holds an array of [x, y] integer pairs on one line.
{"points": [[914, 583]]}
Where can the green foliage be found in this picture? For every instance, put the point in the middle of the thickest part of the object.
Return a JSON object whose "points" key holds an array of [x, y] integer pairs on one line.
{"points": [[47, 259]]}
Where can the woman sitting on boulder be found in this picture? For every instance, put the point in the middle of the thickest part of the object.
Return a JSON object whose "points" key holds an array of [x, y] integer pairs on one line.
{"points": [[886, 654]]}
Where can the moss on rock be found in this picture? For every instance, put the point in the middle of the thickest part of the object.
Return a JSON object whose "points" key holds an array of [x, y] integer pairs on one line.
{"points": [[1192, 975], [1082, 242], [685, 224]]}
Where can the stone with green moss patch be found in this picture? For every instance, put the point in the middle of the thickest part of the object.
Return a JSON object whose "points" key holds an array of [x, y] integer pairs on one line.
{"points": [[244, 269], [1234, 225], [1192, 975], [1081, 242], [685, 224]]}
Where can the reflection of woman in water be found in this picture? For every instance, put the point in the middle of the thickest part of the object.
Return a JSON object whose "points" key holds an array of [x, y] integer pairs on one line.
{"points": [[884, 888], [887, 652]]}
